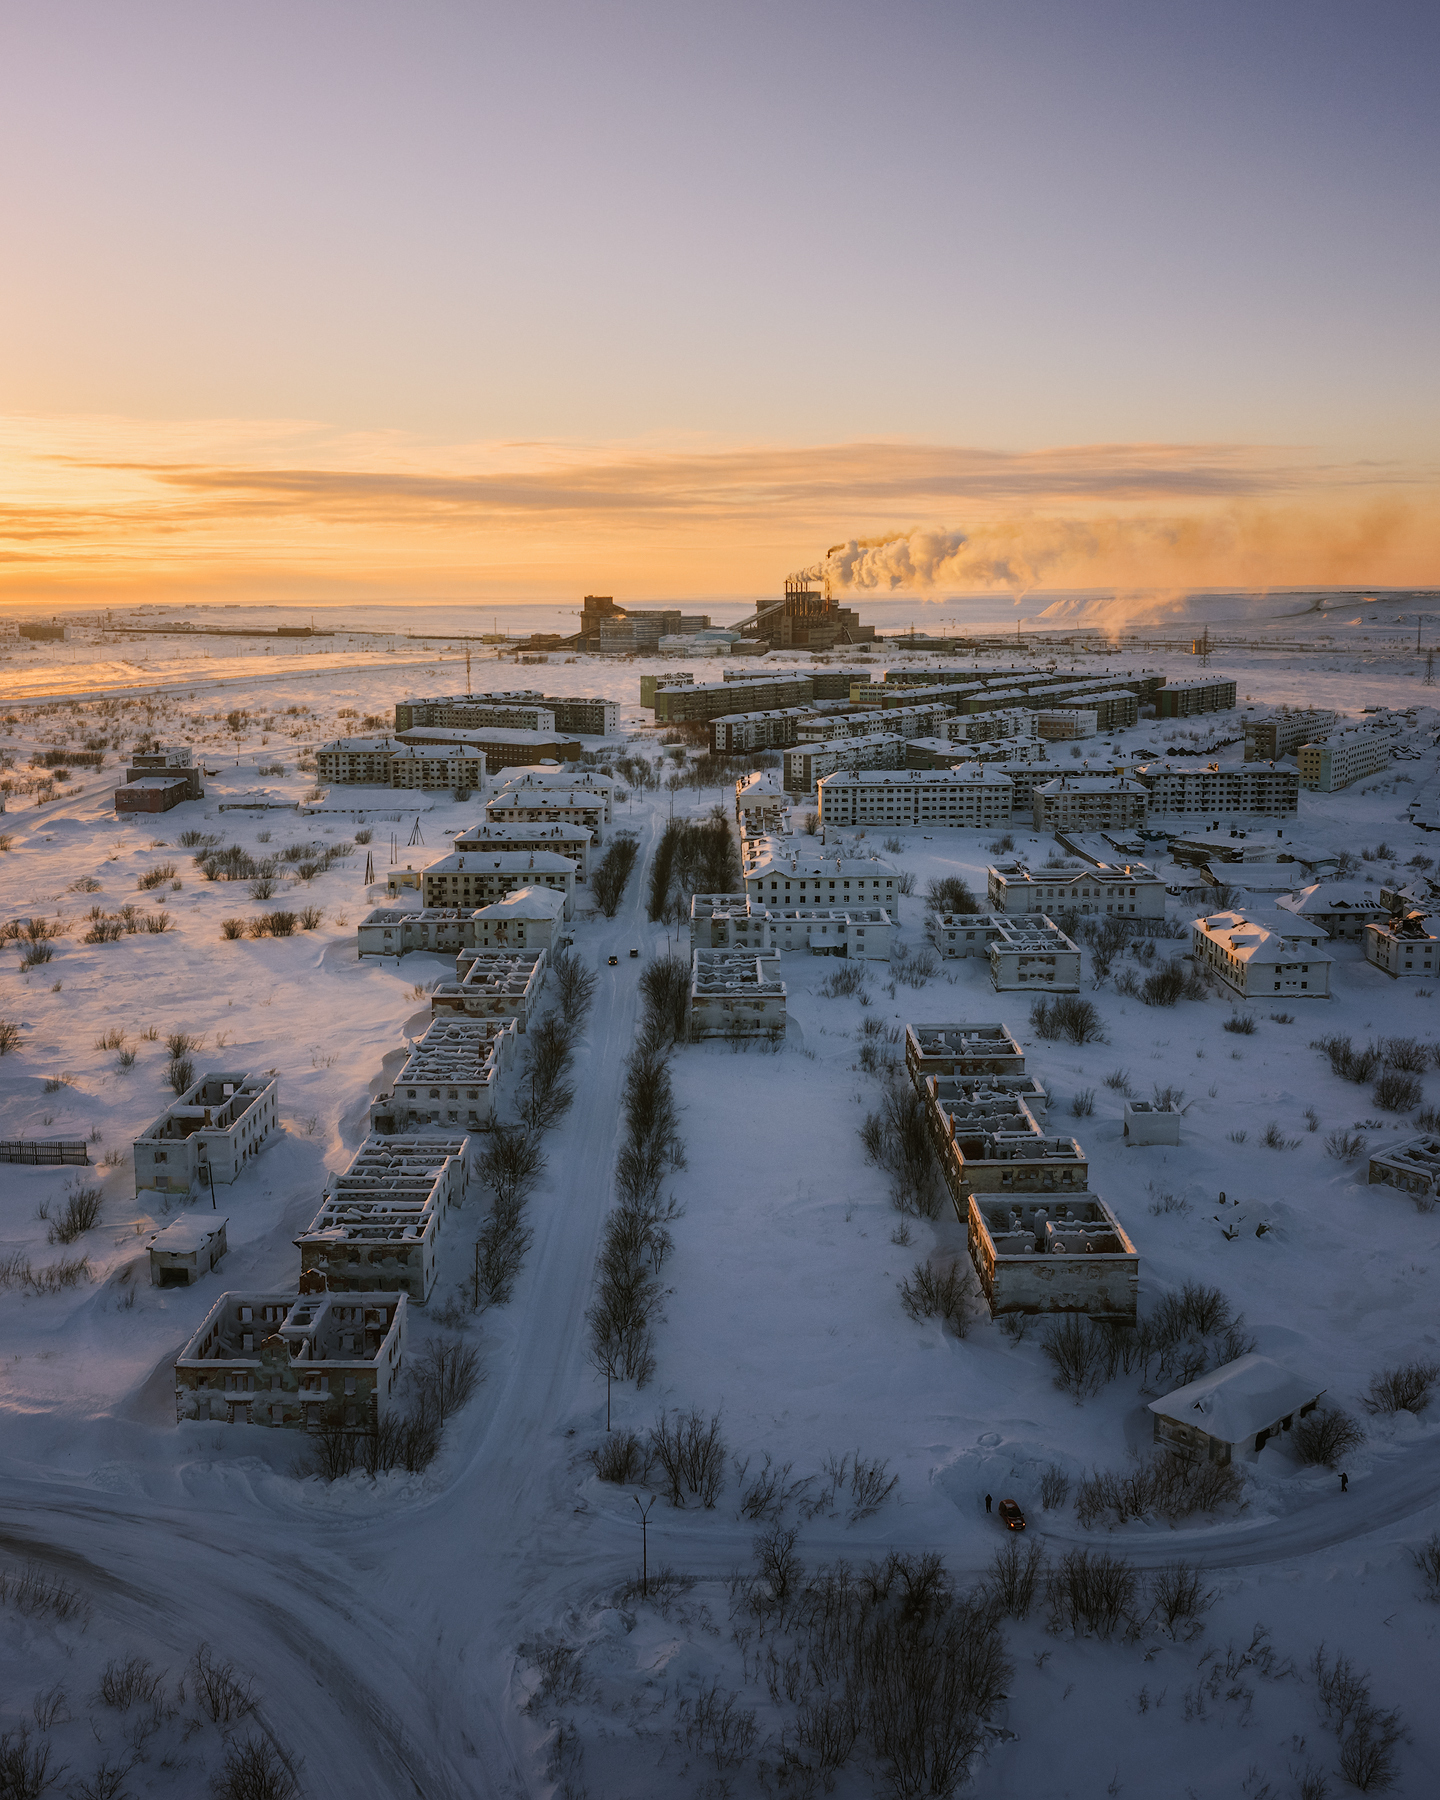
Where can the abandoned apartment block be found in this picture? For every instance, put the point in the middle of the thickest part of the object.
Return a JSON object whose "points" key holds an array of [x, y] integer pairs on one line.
{"points": [[303, 1362], [211, 1133]]}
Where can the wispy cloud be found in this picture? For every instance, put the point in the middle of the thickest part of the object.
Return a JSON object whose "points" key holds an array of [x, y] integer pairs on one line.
{"points": [[99, 502]]}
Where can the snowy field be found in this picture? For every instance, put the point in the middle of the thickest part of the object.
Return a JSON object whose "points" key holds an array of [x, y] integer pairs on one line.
{"points": [[475, 1629]]}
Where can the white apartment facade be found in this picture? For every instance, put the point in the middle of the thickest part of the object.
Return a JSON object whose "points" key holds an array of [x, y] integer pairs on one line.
{"points": [[896, 721], [469, 879], [1131, 890], [1402, 945], [1033, 955], [539, 807], [570, 841], [777, 878], [1343, 757], [380, 1221], [450, 1079], [735, 995], [1260, 964], [1088, 803], [1254, 790], [212, 1133], [1342, 909], [808, 764], [529, 918], [974, 796], [493, 984], [958, 935]]}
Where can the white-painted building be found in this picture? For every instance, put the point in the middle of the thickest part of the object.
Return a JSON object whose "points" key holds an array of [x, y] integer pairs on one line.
{"points": [[1033, 955], [1403, 945], [1147, 1122], [780, 876], [962, 1051], [529, 918], [541, 807], [988, 727], [212, 1133], [437, 768], [1088, 803], [589, 783], [1232, 1412], [473, 878], [379, 1223], [1343, 757], [1129, 890], [450, 1079], [974, 796], [960, 935], [559, 839], [761, 793], [809, 763], [1260, 964], [1061, 723], [1341, 909], [187, 1249], [895, 721], [735, 996], [1254, 790], [493, 984]]}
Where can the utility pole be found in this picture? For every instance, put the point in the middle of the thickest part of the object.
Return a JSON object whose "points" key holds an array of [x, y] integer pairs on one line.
{"points": [[644, 1546]]}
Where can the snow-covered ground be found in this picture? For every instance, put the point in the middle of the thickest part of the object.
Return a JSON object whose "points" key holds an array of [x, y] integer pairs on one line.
{"points": [[390, 1628]]}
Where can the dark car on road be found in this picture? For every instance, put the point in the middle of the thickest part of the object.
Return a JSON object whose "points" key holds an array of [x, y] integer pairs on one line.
{"points": [[1011, 1515]]}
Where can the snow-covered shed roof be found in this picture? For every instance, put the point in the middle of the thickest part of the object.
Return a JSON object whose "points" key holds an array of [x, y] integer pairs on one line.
{"points": [[526, 903], [1239, 1399]]}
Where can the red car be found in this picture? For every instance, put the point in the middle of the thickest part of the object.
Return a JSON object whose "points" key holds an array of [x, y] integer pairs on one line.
{"points": [[1011, 1515]]}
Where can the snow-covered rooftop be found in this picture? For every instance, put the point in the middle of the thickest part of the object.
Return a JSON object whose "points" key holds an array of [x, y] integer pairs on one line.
{"points": [[1239, 1400]]}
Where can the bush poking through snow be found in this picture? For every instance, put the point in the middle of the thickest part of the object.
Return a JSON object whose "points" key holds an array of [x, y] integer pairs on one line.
{"points": [[950, 895], [1164, 1486], [1404, 1389], [1083, 1103], [81, 1213], [1395, 1091], [1066, 1016], [37, 1594], [25, 1773], [841, 983], [219, 1692], [1076, 1349], [927, 1294], [232, 929], [1325, 1436], [1054, 1487], [1368, 1736], [256, 1770], [1169, 983], [1273, 1138], [1427, 1561], [690, 1453], [125, 1684], [1347, 1062], [9, 1036], [1091, 1590], [897, 1140], [1177, 1591], [1242, 1024], [181, 1073], [1344, 1146], [621, 1456], [1016, 1573], [447, 1375]]}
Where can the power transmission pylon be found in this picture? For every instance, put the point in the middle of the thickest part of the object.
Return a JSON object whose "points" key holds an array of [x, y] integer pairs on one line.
{"points": [[1429, 680], [369, 867], [417, 836]]}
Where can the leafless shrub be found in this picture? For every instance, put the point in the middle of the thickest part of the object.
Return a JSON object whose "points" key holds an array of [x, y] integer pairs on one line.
{"points": [[25, 1773], [842, 983], [125, 1683], [1016, 1571], [1274, 1138], [9, 1036], [512, 1164], [40, 1595], [1082, 1105], [690, 1452], [50, 1707], [608, 879], [1066, 1016], [945, 1294], [665, 989], [81, 1213], [717, 1726], [1344, 1146], [1403, 1389], [114, 1039], [575, 986], [545, 1094], [1368, 1735], [256, 1770], [221, 1693], [1092, 1590], [1164, 1485], [1325, 1436], [767, 1495], [1395, 1091], [950, 895], [1345, 1061], [180, 1074], [1427, 1561], [871, 1485], [1410, 1054], [1054, 1486], [562, 1675], [1243, 1024], [447, 1373], [156, 877], [1177, 1592], [232, 928], [500, 1247], [621, 1456], [897, 1140], [1077, 1351]]}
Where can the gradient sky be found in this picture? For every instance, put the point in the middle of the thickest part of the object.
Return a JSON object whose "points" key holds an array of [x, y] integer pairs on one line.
{"points": [[433, 299]]}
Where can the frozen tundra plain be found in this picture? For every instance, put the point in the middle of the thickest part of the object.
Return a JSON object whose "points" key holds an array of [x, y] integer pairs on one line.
{"points": [[475, 1630]]}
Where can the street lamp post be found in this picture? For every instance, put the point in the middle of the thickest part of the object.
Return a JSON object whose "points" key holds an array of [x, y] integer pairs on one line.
{"points": [[644, 1546]]}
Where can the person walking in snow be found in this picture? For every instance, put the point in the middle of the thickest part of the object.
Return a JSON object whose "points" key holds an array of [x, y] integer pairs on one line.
{"points": [[1344, 1486], [987, 1503]]}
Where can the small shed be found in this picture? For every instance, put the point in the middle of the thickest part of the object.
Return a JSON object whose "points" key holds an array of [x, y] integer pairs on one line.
{"points": [[1147, 1123], [1233, 1411], [186, 1249]]}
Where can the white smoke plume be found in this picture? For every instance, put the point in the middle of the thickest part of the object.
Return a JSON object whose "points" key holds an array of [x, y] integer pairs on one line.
{"points": [[1016, 556]]}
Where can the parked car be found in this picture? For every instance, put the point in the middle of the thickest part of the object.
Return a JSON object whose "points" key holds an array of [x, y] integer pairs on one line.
{"points": [[634, 951], [612, 960], [1011, 1515]]}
